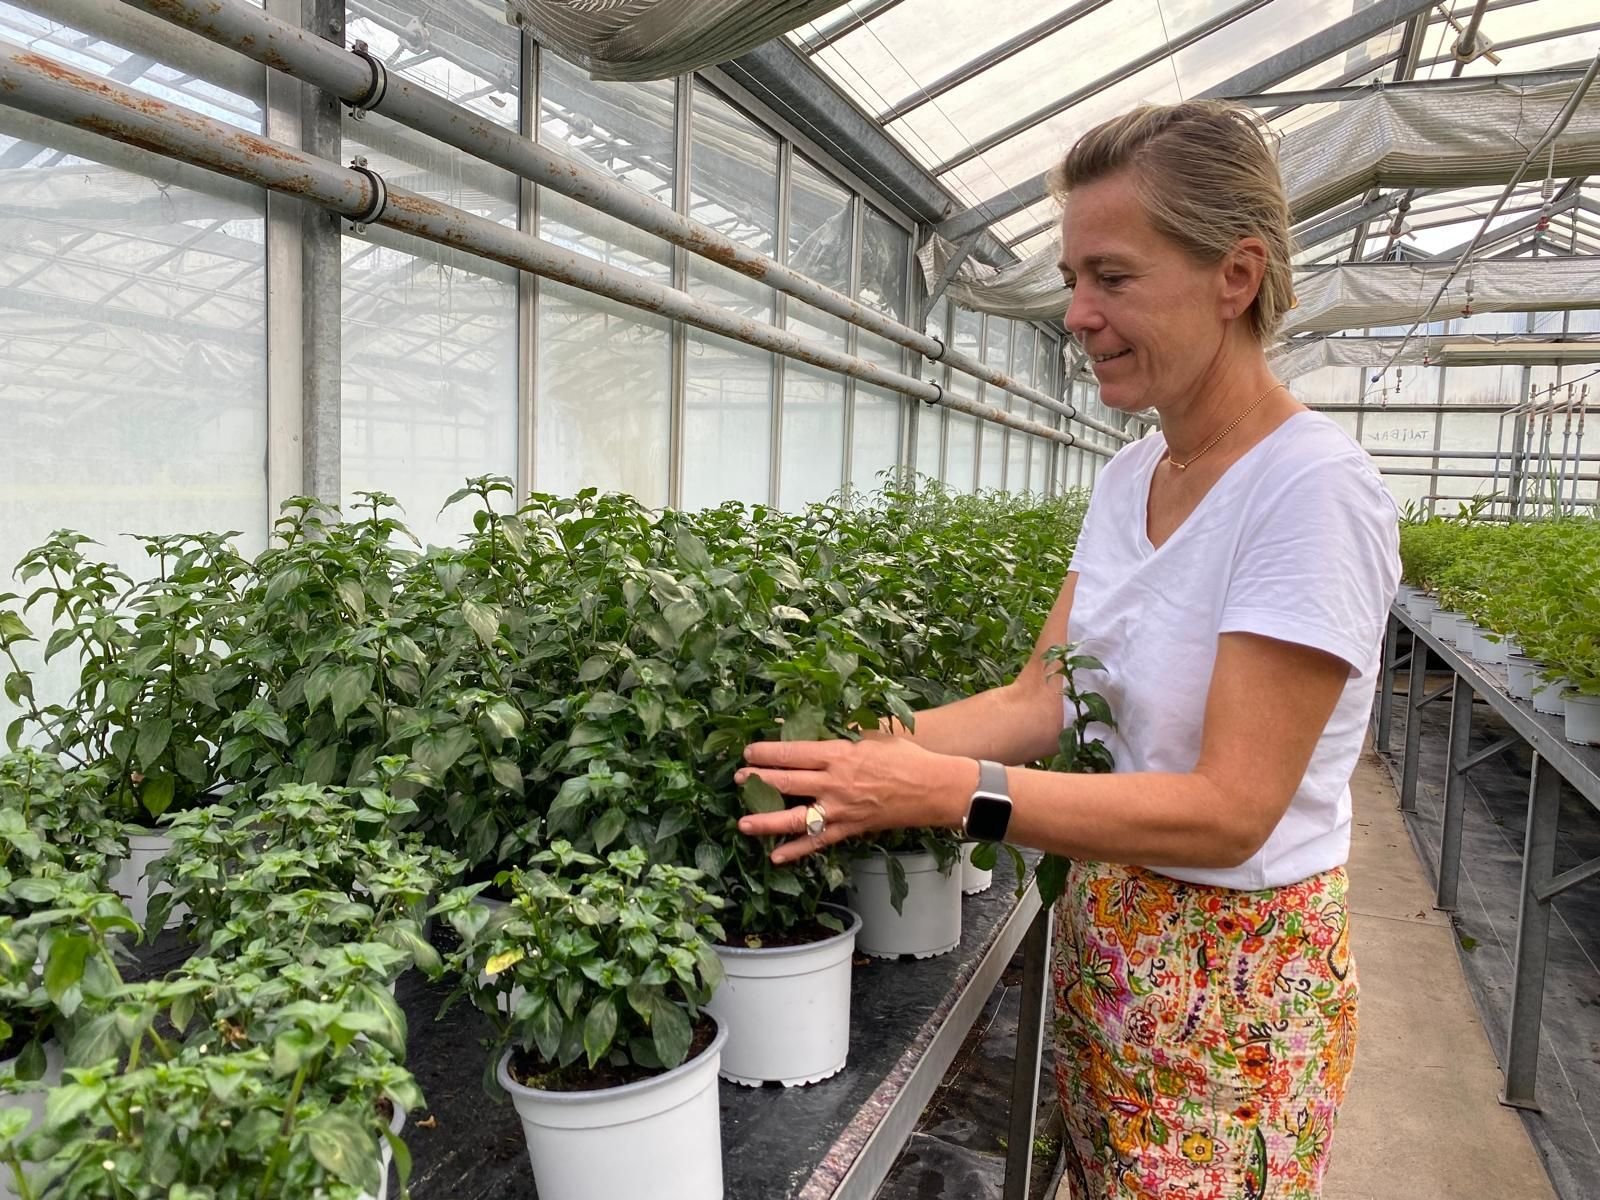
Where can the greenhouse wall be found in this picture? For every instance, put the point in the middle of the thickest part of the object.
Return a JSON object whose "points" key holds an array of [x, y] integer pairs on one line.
{"points": [[152, 329]]}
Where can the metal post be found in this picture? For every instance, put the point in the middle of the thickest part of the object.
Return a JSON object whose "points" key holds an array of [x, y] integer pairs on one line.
{"points": [[1416, 688], [1391, 651], [322, 279], [285, 297], [1030, 1052], [1455, 794], [1533, 937]]}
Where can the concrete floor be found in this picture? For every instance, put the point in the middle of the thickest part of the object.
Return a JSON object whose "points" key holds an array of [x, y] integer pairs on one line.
{"points": [[1421, 1121]]}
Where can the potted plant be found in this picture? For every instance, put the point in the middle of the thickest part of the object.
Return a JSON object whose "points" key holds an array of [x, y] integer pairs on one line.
{"points": [[608, 1053], [297, 1101]]}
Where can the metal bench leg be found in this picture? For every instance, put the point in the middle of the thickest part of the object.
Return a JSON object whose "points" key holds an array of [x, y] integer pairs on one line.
{"points": [[1416, 689], [1391, 651], [1030, 1051], [1455, 793], [1533, 937]]}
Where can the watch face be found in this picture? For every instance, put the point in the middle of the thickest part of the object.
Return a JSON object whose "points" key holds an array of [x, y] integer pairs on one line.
{"points": [[987, 817]]}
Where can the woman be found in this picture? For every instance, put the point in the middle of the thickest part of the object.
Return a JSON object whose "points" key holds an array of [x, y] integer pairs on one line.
{"points": [[1233, 575]]}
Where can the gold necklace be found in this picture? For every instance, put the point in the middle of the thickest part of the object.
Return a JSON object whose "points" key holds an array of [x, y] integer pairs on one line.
{"points": [[1184, 466]]}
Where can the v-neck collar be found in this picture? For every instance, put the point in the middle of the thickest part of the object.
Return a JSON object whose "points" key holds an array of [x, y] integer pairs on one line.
{"points": [[1150, 548]]}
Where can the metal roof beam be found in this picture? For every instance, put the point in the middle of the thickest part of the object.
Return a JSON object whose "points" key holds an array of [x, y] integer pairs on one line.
{"points": [[1560, 202], [1338, 95], [1531, 40], [777, 75], [977, 66], [1336, 39]]}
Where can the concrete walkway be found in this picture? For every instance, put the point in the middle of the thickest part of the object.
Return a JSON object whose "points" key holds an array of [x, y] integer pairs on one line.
{"points": [[1421, 1121]]}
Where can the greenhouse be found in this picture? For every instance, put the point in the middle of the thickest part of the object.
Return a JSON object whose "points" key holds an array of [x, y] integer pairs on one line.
{"points": [[608, 599]]}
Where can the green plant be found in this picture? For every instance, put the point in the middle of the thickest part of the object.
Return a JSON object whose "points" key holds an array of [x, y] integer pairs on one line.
{"points": [[290, 1105], [590, 962], [307, 867]]}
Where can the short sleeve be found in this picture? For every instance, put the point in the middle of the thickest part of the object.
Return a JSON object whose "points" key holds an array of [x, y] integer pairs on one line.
{"points": [[1318, 563]]}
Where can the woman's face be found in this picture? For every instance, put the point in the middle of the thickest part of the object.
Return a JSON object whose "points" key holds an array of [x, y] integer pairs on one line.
{"points": [[1152, 319]]}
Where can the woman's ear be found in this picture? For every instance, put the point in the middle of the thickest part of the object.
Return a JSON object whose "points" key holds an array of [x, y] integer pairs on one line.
{"points": [[1243, 269]]}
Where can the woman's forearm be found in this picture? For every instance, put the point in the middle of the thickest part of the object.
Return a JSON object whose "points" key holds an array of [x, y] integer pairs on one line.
{"points": [[1010, 724], [1156, 819]]}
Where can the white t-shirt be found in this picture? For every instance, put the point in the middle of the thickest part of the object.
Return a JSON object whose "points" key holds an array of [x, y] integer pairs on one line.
{"points": [[1297, 541]]}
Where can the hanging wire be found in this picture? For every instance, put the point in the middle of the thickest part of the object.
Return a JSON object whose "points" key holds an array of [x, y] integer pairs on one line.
{"points": [[1172, 59]]}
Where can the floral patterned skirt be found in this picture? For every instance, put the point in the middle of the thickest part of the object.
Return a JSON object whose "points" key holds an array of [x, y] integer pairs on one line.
{"points": [[1203, 1036]]}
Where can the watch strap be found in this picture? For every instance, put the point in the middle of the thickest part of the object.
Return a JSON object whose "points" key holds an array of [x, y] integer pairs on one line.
{"points": [[992, 778]]}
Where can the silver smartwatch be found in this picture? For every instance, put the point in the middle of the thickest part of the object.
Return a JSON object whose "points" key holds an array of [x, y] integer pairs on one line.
{"points": [[989, 810]]}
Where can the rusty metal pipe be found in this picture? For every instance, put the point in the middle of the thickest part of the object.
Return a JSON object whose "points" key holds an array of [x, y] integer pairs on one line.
{"points": [[38, 84], [365, 83]]}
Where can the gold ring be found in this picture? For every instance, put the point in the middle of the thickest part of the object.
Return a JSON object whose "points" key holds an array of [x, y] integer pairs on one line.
{"points": [[816, 820]]}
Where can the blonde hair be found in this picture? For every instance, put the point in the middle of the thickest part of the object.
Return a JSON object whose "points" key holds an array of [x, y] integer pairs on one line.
{"points": [[1207, 178]]}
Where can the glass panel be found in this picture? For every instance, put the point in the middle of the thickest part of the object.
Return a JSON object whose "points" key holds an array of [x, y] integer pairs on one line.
{"points": [[733, 187], [884, 250], [875, 427], [1387, 431], [821, 229], [430, 336], [813, 415], [930, 439], [624, 128], [963, 444], [603, 405], [133, 365], [1327, 385]]}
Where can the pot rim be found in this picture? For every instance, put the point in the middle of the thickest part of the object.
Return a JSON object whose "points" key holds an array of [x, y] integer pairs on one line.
{"points": [[502, 1073], [853, 928]]}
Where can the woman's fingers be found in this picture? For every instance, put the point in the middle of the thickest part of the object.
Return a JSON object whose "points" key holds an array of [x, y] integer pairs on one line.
{"points": [[790, 783], [788, 822], [804, 756]]}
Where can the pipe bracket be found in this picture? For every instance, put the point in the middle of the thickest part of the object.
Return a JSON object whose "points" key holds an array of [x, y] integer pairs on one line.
{"points": [[937, 400], [373, 96], [380, 197], [939, 357]]}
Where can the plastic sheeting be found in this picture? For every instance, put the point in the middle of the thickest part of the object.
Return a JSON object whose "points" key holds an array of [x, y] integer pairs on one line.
{"points": [[656, 39], [1450, 137], [1373, 294], [1299, 358]]}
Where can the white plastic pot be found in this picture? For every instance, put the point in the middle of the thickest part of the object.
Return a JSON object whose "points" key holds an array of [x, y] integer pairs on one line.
{"points": [[660, 1137], [32, 1101], [786, 1008], [1422, 606], [129, 880], [1547, 697], [1463, 631], [386, 1155], [929, 922], [1522, 676], [1442, 624], [1583, 719], [973, 880]]}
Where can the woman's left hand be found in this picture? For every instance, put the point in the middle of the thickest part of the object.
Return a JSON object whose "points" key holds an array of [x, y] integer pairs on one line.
{"points": [[860, 787]]}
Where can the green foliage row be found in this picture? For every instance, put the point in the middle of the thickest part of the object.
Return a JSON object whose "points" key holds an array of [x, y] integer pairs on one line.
{"points": [[1535, 581]]}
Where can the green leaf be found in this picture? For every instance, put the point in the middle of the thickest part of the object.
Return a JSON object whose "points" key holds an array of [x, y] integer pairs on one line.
{"points": [[692, 551], [681, 616], [483, 618], [294, 1048], [899, 888], [805, 724], [569, 802], [156, 792], [604, 704], [322, 766], [70, 1101], [351, 687], [343, 1147], [507, 774], [600, 1029], [505, 718], [759, 796], [670, 1031], [593, 668], [13, 629], [18, 685], [12, 1123], [1051, 876], [350, 592], [438, 752], [154, 735], [608, 828]]}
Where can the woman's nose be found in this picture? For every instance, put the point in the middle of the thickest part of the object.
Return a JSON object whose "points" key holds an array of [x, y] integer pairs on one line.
{"points": [[1080, 316]]}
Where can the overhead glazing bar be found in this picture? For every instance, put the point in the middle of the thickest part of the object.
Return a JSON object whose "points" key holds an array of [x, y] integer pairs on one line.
{"points": [[45, 87], [363, 81]]}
